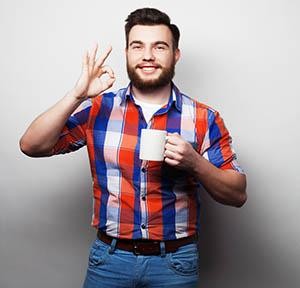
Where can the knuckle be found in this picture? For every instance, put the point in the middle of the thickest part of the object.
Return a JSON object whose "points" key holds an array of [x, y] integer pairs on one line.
{"points": [[184, 149], [180, 150]]}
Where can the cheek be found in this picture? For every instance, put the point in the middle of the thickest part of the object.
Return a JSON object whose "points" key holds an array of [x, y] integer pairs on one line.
{"points": [[165, 60], [134, 57]]}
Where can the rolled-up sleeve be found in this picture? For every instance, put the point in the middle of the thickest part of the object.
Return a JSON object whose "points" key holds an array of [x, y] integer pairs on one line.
{"points": [[217, 144], [73, 135]]}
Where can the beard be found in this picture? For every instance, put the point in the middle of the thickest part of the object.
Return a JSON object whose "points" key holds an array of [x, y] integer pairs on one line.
{"points": [[163, 79]]}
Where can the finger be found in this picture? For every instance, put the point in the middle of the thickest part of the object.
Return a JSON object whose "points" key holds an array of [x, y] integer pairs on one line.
{"points": [[172, 155], [173, 134], [171, 147], [174, 139], [108, 83], [102, 58], [171, 162], [108, 70], [92, 57], [85, 61]]}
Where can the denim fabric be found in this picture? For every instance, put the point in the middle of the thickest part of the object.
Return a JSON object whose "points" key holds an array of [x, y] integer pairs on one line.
{"points": [[115, 268]]}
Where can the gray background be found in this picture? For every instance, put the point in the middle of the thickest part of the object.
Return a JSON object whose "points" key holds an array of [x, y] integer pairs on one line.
{"points": [[240, 57]]}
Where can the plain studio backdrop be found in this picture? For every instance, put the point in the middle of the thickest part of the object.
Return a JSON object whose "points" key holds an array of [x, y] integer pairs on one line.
{"points": [[240, 57]]}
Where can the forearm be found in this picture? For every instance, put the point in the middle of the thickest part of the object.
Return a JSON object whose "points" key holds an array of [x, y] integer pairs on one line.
{"points": [[44, 131], [225, 186]]}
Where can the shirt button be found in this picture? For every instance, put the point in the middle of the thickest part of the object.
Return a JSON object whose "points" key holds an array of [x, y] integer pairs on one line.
{"points": [[143, 226], [144, 198], [143, 169]]}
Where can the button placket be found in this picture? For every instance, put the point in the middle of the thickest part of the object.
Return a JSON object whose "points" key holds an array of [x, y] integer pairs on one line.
{"points": [[143, 179], [143, 202]]}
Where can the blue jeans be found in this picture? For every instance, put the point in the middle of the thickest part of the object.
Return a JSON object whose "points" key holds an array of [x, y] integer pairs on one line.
{"points": [[114, 268]]}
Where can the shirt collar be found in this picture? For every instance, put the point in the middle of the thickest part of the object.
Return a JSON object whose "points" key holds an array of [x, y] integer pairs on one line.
{"points": [[175, 97]]}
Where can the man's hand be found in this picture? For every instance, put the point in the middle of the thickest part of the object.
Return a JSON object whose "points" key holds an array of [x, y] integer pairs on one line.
{"points": [[90, 84], [225, 186], [180, 153]]}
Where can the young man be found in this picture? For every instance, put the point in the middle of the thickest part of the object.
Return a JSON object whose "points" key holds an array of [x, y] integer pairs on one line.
{"points": [[146, 213]]}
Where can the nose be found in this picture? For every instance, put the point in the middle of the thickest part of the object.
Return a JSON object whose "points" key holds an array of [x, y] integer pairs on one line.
{"points": [[148, 54]]}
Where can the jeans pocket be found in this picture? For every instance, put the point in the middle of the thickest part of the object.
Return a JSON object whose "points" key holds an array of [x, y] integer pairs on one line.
{"points": [[98, 253], [185, 260]]}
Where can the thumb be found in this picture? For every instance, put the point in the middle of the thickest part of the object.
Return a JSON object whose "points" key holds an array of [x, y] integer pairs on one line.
{"points": [[173, 134], [108, 83]]}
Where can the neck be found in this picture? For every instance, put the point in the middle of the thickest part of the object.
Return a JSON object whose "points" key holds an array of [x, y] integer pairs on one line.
{"points": [[154, 96]]}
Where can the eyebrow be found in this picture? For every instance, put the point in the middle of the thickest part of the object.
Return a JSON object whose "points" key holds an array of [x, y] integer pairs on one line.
{"points": [[161, 43], [135, 42], [155, 43]]}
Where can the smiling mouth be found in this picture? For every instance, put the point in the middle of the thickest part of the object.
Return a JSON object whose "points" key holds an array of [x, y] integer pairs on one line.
{"points": [[148, 68]]}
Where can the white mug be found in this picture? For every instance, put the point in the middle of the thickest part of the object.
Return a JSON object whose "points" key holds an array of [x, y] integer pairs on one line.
{"points": [[152, 146]]}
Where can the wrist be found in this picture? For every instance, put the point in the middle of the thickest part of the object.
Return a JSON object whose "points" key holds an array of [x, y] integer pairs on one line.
{"points": [[76, 96], [198, 165]]}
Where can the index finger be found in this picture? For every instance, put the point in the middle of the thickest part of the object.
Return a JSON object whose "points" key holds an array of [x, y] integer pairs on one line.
{"points": [[174, 138], [103, 57]]}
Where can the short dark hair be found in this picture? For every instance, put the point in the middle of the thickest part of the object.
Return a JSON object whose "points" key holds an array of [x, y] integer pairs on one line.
{"points": [[151, 16]]}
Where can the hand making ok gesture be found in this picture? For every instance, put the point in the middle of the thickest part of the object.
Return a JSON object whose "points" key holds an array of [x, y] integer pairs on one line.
{"points": [[90, 83]]}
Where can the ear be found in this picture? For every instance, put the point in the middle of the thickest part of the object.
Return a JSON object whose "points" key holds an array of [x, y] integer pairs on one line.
{"points": [[177, 54]]}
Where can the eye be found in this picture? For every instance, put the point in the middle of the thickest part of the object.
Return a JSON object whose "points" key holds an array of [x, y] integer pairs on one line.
{"points": [[136, 47], [160, 47]]}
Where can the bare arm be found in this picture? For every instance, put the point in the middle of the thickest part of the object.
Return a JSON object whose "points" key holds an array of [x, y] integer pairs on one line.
{"points": [[43, 133], [225, 186]]}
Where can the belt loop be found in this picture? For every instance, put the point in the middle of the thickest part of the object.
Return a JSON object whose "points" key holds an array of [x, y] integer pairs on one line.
{"points": [[162, 249], [112, 247]]}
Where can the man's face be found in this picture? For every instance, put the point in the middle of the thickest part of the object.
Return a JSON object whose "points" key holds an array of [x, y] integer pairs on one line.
{"points": [[150, 56]]}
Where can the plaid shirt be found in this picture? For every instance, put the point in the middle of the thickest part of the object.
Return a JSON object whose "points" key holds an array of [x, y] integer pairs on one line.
{"points": [[144, 199]]}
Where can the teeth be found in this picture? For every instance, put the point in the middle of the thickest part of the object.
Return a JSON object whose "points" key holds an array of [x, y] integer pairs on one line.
{"points": [[148, 69]]}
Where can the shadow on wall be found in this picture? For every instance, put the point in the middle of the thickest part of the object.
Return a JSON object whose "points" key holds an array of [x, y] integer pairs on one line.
{"points": [[235, 253], [236, 245], [46, 228]]}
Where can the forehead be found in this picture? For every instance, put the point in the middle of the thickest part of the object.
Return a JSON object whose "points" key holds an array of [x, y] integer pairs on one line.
{"points": [[150, 34]]}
